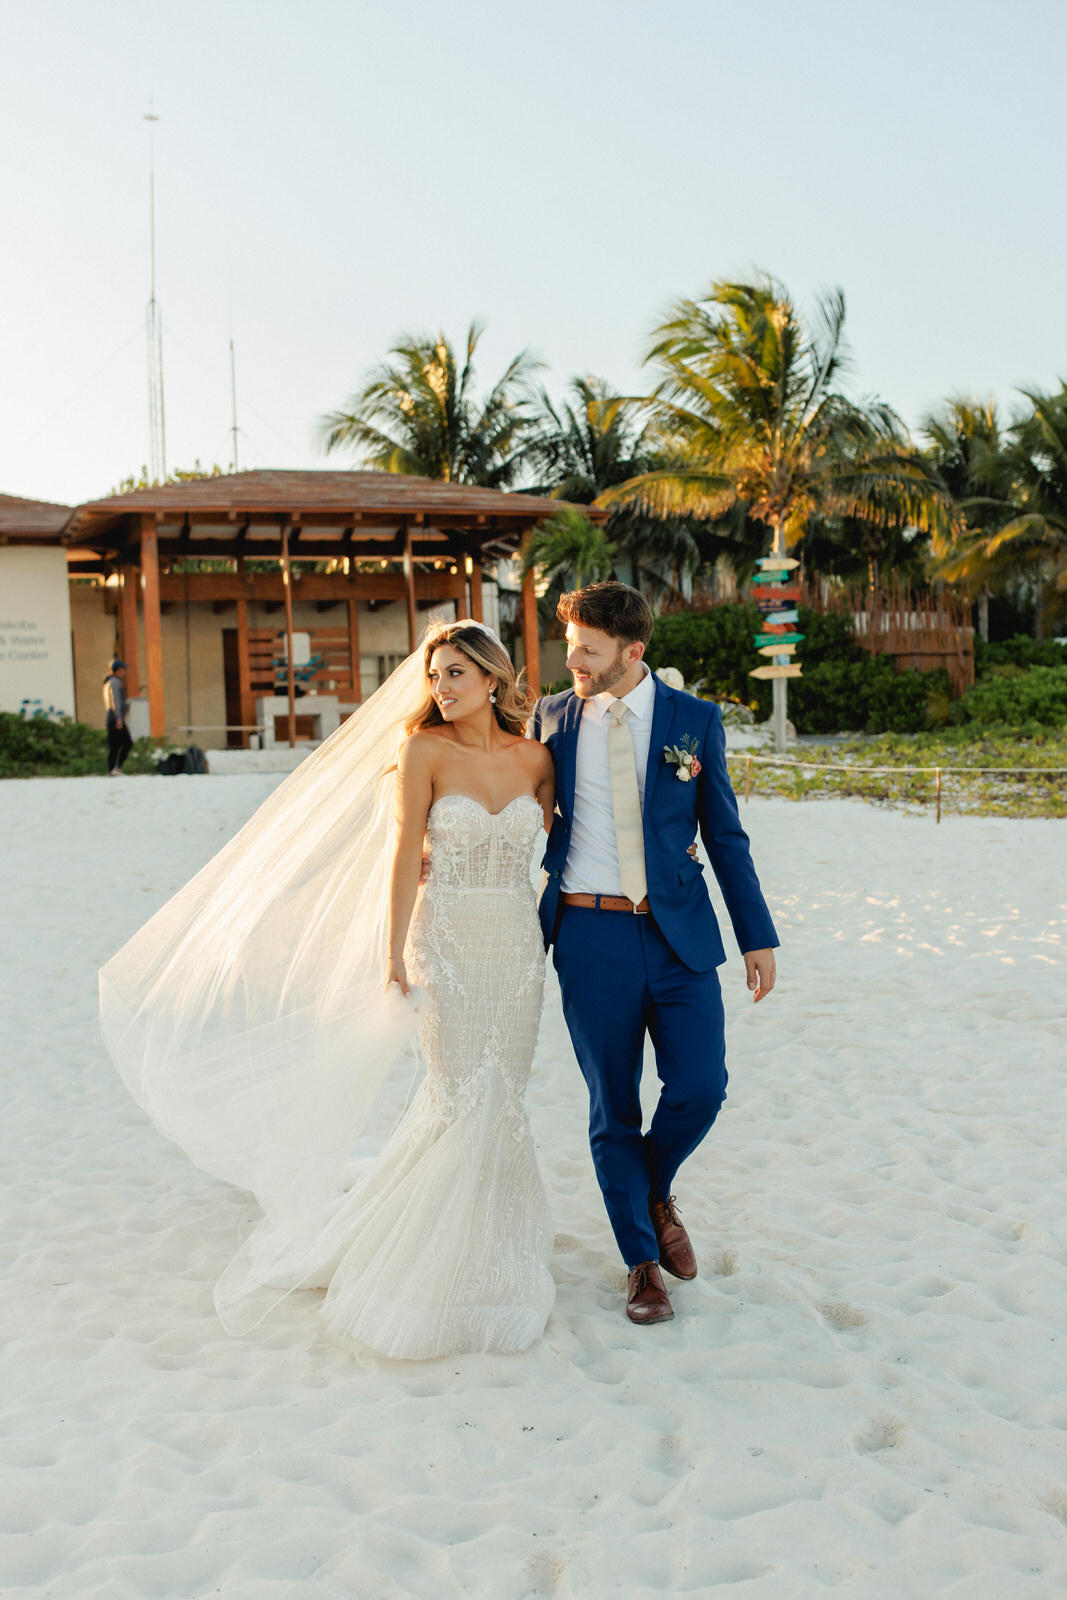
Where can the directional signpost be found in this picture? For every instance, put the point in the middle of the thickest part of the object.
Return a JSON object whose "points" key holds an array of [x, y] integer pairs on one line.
{"points": [[777, 601], [790, 669]]}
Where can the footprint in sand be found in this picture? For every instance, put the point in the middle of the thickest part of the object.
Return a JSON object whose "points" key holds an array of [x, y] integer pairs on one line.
{"points": [[839, 1314], [593, 1358], [1055, 1503], [883, 1432]]}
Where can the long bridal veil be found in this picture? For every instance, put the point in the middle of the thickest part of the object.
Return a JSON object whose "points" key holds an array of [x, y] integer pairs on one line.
{"points": [[249, 1016]]}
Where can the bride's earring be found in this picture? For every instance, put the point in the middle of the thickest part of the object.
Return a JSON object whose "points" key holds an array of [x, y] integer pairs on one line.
{"points": [[492, 697]]}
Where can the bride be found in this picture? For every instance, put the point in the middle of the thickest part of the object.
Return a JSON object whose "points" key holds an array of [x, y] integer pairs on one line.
{"points": [[256, 1017]]}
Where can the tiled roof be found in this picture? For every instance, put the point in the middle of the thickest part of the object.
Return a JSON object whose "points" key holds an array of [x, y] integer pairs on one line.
{"points": [[369, 495], [30, 519]]}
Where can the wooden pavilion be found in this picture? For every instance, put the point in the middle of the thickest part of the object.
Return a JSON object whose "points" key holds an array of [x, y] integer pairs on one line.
{"points": [[373, 537]]}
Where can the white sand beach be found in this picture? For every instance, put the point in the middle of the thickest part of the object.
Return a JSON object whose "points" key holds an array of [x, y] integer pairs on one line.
{"points": [[863, 1394]]}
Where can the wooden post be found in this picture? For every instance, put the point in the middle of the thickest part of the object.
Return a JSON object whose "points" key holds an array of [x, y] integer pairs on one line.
{"points": [[353, 650], [476, 588], [287, 583], [939, 794], [748, 776], [779, 685], [244, 672], [153, 626], [409, 574], [129, 579], [530, 643]]}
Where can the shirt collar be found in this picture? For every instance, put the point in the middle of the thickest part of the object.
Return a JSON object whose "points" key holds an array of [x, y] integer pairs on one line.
{"points": [[638, 702]]}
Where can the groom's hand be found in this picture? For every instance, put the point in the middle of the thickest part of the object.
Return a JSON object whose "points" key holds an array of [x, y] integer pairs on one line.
{"points": [[760, 969]]}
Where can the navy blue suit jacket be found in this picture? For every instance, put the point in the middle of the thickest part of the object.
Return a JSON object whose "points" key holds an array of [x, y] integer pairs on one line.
{"points": [[673, 812]]}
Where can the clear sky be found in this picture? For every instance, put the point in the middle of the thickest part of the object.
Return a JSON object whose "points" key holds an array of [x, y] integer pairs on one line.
{"points": [[333, 172]]}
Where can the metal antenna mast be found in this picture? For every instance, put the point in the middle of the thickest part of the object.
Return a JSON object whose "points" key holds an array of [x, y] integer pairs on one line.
{"points": [[157, 427], [233, 404]]}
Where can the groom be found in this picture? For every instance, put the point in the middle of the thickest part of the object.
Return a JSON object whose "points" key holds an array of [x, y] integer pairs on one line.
{"points": [[639, 769]]}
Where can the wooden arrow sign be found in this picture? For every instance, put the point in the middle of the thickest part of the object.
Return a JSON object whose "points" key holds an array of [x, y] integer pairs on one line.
{"points": [[785, 637], [777, 617], [776, 596], [777, 561], [790, 670], [772, 575], [778, 649]]}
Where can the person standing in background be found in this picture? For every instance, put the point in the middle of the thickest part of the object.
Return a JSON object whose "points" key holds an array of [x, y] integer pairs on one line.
{"points": [[119, 742]]}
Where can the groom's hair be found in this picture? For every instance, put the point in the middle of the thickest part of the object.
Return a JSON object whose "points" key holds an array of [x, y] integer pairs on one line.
{"points": [[614, 608]]}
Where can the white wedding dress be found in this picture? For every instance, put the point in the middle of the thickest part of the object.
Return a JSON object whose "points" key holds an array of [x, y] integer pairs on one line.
{"points": [[443, 1245], [248, 1017]]}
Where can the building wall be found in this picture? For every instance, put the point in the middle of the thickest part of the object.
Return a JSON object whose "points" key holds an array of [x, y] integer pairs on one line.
{"points": [[35, 629], [194, 680], [95, 643]]}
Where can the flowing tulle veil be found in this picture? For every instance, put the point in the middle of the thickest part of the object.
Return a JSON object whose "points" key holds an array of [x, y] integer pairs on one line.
{"points": [[249, 1017]]}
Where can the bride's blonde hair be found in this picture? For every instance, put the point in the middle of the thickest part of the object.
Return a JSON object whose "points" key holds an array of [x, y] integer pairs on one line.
{"points": [[514, 701]]}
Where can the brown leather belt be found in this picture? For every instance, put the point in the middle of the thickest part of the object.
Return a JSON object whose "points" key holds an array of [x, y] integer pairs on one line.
{"points": [[607, 902]]}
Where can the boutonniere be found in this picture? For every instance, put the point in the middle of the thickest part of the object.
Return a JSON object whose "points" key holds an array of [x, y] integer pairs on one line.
{"points": [[683, 758]]}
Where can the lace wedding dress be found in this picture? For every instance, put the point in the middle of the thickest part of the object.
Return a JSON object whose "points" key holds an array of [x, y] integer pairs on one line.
{"points": [[249, 1019], [442, 1246]]}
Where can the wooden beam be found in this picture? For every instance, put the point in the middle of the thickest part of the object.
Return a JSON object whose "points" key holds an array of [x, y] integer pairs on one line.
{"points": [[409, 576], [476, 589], [130, 580], [290, 672], [353, 650], [440, 548], [244, 672], [268, 588], [153, 626], [530, 642]]}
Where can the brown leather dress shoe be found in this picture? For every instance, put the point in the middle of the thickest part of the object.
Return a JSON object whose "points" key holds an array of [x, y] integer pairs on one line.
{"points": [[646, 1298], [675, 1250]]}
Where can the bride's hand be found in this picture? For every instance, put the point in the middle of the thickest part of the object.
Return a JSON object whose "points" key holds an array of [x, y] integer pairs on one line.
{"points": [[396, 972]]}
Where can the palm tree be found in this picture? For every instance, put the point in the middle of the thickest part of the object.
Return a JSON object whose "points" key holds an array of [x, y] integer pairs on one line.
{"points": [[569, 551], [1031, 531], [748, 397], [970, 452], [417, 413], [592, 442]]}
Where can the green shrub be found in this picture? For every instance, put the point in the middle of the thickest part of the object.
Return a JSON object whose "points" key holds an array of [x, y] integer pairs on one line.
{"points": [[1017, 700], [867, 695], [900, 702], [36, 747], [31, 745], [842, 688], [710, 647], [1021, 651], [830, 697]]}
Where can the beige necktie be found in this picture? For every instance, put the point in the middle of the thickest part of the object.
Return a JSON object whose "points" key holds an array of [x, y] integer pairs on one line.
{"points": [[626, 804]]}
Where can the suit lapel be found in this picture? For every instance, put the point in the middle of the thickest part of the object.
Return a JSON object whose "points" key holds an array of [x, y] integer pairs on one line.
{"points": [[662, 717], [568, 765]]}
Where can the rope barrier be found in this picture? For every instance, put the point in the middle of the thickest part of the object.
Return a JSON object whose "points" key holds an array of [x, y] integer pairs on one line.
{"points": [[847, 766], [798, 764]]}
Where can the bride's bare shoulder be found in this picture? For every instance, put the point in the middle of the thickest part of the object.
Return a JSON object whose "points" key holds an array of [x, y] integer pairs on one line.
{"points": [[537, 756], [419, 750]]}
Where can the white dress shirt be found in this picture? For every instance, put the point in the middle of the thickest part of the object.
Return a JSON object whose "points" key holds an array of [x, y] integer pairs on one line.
{"points": [[593, 858]]}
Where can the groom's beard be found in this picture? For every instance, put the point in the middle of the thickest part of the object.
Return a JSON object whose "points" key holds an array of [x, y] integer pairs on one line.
{"points": [[586, 689]]}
